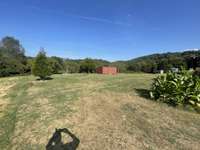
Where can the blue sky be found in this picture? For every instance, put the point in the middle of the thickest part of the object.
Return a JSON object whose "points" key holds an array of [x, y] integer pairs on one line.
{"points": [[106, 29]]}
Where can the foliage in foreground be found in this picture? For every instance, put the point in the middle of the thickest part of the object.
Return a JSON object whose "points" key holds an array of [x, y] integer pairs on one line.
{"points": [[177, 89]]}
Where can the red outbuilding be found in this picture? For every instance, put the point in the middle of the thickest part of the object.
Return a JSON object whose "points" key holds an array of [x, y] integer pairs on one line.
{"points": [[107, 70]]}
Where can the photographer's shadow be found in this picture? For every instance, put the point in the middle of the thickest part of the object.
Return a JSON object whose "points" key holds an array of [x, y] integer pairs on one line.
{"points": [[55, 143]]}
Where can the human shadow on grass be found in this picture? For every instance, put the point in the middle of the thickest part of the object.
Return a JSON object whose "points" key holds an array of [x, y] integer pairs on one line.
{"points": [[55, 143], [145, 93]]}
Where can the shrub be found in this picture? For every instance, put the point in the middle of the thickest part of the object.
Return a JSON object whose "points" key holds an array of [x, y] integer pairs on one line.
{"points": [[55, 66], [177, 89]]}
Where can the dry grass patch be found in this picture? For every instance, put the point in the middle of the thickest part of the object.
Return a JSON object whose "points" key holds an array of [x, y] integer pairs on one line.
{"points": [[98, 122], [159, 127], [4, 89], [104, 112]]}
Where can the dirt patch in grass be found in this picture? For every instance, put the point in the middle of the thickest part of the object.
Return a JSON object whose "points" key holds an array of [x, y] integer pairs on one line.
{"points": [[32, 122], [4, 89], [3, 104]]}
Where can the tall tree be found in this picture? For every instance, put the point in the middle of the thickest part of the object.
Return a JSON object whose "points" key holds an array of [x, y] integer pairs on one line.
{"points": [[13, 60], [12, 46]]}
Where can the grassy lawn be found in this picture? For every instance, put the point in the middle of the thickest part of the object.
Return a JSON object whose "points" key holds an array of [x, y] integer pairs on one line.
{"points": [[104, 112]]}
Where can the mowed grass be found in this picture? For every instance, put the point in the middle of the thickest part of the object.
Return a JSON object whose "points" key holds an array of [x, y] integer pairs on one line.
{"points": [[103, 111]]}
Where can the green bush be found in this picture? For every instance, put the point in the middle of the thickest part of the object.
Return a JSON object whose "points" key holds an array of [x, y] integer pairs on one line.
{"points": [[177, 89]]}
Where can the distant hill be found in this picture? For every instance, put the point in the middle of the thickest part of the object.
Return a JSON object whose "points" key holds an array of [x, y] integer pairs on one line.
{"points": [[152, 63], [165, 61]]}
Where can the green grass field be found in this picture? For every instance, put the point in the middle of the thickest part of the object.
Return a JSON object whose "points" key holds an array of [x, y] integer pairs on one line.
{"points": [[104, 112]]}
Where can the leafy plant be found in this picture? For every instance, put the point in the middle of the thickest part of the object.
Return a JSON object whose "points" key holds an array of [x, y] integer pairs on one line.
{"points": [[177, 89]]}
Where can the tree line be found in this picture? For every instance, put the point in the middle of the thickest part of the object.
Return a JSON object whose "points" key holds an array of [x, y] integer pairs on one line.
{"points": [[14, 62]]}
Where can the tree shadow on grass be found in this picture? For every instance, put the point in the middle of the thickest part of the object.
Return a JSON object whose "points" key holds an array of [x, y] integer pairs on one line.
{"points": [[56, 143], [143, 93], [47, 78]]}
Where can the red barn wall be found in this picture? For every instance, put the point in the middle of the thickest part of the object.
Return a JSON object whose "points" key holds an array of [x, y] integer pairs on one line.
{"points": [[99, 70], [107, 70]]}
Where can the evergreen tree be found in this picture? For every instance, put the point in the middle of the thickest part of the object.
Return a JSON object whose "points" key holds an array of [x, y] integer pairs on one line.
{"points": [[41, 66]]}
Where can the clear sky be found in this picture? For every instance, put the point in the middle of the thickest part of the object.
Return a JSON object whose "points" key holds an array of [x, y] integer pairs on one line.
{"points": [[107, 29]]}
